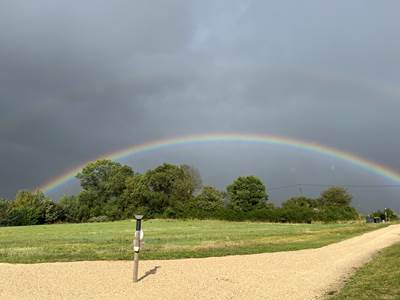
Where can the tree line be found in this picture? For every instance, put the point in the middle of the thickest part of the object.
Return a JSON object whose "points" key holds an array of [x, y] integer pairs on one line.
{"points": [[111, 191]]}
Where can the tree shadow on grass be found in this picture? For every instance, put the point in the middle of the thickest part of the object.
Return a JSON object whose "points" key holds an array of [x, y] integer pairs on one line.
{"points": [[150, 272]]}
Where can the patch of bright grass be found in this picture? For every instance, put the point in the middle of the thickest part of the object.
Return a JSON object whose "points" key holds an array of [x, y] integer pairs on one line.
{"points": [[165, 239]]}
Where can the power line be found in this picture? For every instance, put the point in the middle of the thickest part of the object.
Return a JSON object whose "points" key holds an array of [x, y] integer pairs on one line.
{"points": [[299, 185], [283, 187]]}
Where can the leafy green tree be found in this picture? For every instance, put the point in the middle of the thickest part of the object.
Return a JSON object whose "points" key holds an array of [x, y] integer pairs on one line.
{"points": [[195, 177], [138, 197], [74, 211], [208, 201], [103, 182], [171, 187], [20, 216], [104, 177], [247, 193], [4, 206], [336, 196], [29, 208], [164, 178], [92, 201], [112, 209], [167, 190], [53, 212]]}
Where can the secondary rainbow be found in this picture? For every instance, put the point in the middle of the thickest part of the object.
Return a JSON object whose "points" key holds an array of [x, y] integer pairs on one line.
{"points": [[354, 159]]}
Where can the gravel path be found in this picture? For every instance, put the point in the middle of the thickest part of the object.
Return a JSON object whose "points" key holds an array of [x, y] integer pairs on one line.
{"points": [[304, 274]]}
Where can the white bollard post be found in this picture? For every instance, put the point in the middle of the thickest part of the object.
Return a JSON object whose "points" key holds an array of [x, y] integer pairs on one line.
{"points": [[136, 247]]}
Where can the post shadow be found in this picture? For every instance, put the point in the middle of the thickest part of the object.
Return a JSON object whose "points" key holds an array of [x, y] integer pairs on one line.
{"points": [[150, 272]]}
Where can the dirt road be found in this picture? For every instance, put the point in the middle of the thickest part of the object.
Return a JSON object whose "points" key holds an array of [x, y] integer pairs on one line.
{"points": [[305, 274]]}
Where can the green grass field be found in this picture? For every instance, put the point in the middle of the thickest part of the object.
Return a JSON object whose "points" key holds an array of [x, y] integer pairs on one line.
{"points": [[165, 239], [379, 279]]}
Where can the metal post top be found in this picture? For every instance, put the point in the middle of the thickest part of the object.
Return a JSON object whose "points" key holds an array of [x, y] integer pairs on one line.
{"points": [[138, 217]]}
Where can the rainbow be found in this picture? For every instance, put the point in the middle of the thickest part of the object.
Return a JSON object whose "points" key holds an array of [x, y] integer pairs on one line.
{"points": [[356, 160]]}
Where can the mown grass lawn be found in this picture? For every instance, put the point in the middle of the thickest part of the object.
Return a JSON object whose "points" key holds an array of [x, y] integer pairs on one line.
{"points": [[379, 279], [165, 239]]}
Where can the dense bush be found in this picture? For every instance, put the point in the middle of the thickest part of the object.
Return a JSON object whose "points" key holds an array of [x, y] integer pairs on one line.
{"points": [[335, 213], [4, 215], [31, 208], [74, 211], [297, 215]]}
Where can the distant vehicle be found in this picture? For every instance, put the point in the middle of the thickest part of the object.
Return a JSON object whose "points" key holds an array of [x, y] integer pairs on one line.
{"points": [[369, 219]]}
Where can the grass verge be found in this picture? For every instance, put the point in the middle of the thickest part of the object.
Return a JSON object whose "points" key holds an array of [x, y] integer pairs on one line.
{"points": [[165, 239], [378, 279]]}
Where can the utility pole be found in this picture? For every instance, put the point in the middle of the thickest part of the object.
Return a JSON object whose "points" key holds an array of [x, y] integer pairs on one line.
{"points": [[300, 189]]}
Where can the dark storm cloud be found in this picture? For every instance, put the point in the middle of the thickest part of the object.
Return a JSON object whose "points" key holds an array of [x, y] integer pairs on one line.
{"points": [[72, 77], [79, 80]]}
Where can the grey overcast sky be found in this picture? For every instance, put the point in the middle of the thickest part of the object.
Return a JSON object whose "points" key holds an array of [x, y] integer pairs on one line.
{"points": [[79, 79]]}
